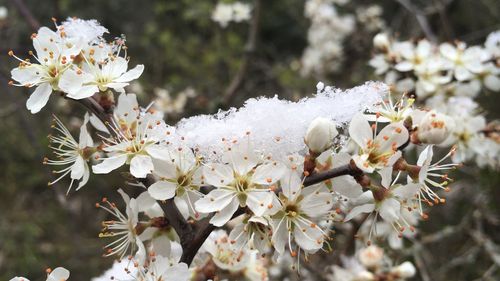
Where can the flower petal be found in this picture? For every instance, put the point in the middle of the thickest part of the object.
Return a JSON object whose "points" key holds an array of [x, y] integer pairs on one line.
{"points": [[109, 164], [162, 190], [141, 166], [39, 98]]}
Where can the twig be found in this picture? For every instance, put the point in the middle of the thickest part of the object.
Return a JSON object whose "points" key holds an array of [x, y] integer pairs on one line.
{"points": [[250, 48], [26, 13], [421, 19]]}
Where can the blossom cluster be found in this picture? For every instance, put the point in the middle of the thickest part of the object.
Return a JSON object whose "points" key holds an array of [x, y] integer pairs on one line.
{"points": [[225, 13], [447, 77], [74, 60], [284, 197], [372, 264], [329, 30]]}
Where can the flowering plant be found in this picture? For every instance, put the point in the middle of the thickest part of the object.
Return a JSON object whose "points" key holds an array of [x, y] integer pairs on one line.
{"points": [[286, 171]]}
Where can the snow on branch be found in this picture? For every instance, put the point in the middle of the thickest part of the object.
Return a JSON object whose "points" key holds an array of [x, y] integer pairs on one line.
{"points": [[276, 126]]}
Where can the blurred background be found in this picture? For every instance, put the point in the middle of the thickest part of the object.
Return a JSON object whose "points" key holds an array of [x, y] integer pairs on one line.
{"points": [[195, 65]]}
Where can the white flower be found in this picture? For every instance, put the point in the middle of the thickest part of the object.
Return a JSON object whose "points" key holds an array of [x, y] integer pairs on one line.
{"points": [[254, 230], [405, 270], [58, 274], [320, 134], [430, 77], [375, 153], [54, 56], [241, 12], [245, 181], [490, 77], [95, 76], [432, 127], [492, 44], [118, 271], [161, 268], [122, 226], [430, 175], [462, 60], [224, 255], [136, 140], [388, 203], [71, 154], [371, 256], [3, 12], [180, 176], [294, 220], [381, 41], [389, 111], [467, 128], [352, 270], [222, 14], [412, 56]]}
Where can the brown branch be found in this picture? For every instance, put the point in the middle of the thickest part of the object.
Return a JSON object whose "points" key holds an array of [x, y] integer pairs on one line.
{"points": [[26, 13], [421, 19], [250, 48]]}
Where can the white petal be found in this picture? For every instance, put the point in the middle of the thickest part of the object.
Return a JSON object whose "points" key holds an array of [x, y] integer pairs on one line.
{"points": [[317, 203], [84, 92], [39, 98], [346, 186], [109, 164], [78, 168], [308, 237], [26, 75], [390, 210], [178, 272], [217, 174], [394, 134], [214, 201], [58, 274], [386, 174], [291, 185], [132, 74], [258, 201], [280, 234], [404, 66], [161, 245], [158, 151], [462, 74], [366, 208], [269, 173], [162, 190], [360, 130], [492, 82], [141, 166], [224, 215], [85, 178], [406, 191]]}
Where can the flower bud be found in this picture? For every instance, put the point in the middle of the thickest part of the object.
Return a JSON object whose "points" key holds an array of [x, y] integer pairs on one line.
{"points": [[371, 256], [320, 134], [434, 128], [404, 270], [381, 41]]}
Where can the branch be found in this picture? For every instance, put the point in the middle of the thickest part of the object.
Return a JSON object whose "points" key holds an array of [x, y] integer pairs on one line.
{"points": [[250, 47], [421, 19], [26, 13]]}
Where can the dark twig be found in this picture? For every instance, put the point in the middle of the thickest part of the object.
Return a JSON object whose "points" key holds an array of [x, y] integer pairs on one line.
{"points": [[421, 19], [26, 13], [249, 52]]}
